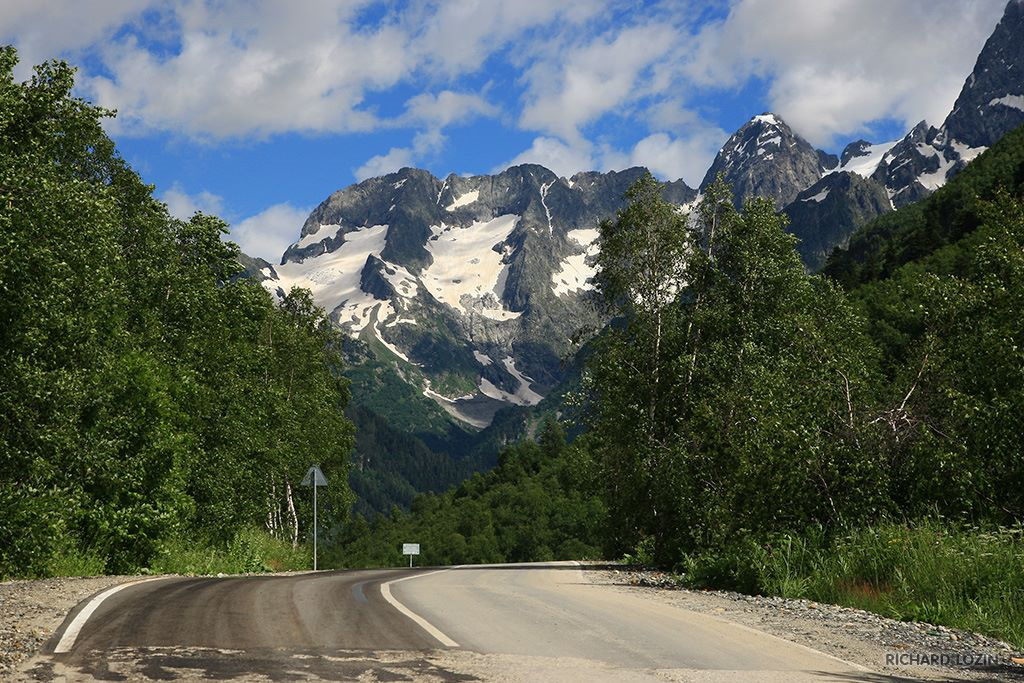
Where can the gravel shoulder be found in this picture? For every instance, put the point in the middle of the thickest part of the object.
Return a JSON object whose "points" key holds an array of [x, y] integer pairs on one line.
{"points": [[30, 612], [916, 651]]}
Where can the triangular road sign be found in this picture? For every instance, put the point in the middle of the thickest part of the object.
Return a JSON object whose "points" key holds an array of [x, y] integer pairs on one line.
{"points": [[314, 475]]}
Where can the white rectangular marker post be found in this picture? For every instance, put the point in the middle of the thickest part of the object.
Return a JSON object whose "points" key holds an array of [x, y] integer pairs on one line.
{"points": [[410, 549]]}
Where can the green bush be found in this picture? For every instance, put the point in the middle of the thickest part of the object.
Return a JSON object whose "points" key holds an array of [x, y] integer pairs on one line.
{"points": [[250, 551], [958, 576]]}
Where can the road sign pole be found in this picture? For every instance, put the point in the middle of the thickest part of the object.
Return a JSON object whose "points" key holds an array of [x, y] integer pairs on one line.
{"points": [[314, 477], [314, 528]]}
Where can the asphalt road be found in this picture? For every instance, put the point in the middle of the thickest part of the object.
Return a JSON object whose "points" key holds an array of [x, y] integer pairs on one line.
{"points": [[527, 622]]}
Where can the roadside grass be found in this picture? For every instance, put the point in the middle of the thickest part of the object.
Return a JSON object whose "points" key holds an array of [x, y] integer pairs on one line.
{"points": [[250, 551], [961, 577], [70, 561]]}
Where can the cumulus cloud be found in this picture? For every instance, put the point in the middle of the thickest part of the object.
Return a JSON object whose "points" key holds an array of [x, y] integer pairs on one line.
{"points": [[382, 164], [423, 143], [237, 73], [43, 28], [446, 107], [183, 205], [459, 37], [593, 79], [575, 75], [270, 232], [835, 67], [671, 158]]}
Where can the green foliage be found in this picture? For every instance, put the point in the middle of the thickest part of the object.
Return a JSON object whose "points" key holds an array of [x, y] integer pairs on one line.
{"points": [[534, 506], [250, 550], [954, 344], [145, 394], [726, 407], [956, 576]]}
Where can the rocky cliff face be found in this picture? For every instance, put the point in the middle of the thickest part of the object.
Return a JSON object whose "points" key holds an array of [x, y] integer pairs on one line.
{"points": [[765, 158], [473, 286], [990, 105]]}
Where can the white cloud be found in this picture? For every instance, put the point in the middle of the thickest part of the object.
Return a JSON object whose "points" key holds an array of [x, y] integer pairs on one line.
{"points": [[458, 36], [183, 205], [43, 28], [836, 66], [554, 154], [231, 70], [671, 158], [423, 143], [447, 107], [269, 233], [382, 164], [592, 79]]}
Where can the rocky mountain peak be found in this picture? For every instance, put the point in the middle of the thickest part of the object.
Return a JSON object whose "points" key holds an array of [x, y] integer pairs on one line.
{"points": [[472, 285], [858, 148], [991, 102], [766, 158]]}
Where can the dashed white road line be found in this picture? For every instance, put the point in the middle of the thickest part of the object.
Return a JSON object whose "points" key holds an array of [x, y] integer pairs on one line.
{"points": [[67, 641], [385, 590]]}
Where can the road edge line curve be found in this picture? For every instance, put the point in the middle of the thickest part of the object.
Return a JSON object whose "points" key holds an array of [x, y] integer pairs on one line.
{"points": [[436, 633], [70, 635]]}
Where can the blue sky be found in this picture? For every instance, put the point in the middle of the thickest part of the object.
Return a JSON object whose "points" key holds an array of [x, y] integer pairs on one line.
{"points": [[256, 110]]}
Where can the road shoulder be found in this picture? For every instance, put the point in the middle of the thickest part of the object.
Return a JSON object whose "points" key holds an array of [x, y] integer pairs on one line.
{"points": [[852, 635], [31, 611]]}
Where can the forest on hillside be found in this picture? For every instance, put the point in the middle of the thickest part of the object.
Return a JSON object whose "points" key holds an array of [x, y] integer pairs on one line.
{"points": [[149, 399]]}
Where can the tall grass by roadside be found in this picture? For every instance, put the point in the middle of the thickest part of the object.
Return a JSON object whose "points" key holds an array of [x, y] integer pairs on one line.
{"points": [[963, 577], [250, 551]]}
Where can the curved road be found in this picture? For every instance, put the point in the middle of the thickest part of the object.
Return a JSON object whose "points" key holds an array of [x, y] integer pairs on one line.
{"points": [[504, 622]]}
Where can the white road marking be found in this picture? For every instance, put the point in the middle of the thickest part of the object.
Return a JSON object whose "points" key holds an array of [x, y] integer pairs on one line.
{"points": [[385, 590], [67, 641]]}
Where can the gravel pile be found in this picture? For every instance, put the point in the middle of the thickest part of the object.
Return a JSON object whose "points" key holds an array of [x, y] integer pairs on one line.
{"points": [[30, 612], [886, 645]]}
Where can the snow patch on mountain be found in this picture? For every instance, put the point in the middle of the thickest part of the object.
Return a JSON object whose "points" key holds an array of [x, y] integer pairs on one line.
{"points": [[866, 164], [522, 396], [768, 118], [388, 345], [576, 270], [818, 197], [1014, 101], [543, 200], [464, 200], [466, 268], [334, 277], [317, 235]]}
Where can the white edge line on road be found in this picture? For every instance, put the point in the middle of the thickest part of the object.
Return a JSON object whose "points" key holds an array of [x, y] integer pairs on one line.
{"points": [[385, 590], [67, 641]]}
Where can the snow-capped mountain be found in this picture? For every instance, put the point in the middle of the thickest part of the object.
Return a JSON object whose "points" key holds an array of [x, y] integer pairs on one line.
{"points": [[990, 105], [765, 158], [473, 286]]}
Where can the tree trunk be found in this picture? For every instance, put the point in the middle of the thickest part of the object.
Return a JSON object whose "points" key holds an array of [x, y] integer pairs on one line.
{"points": [[292, 514]]}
